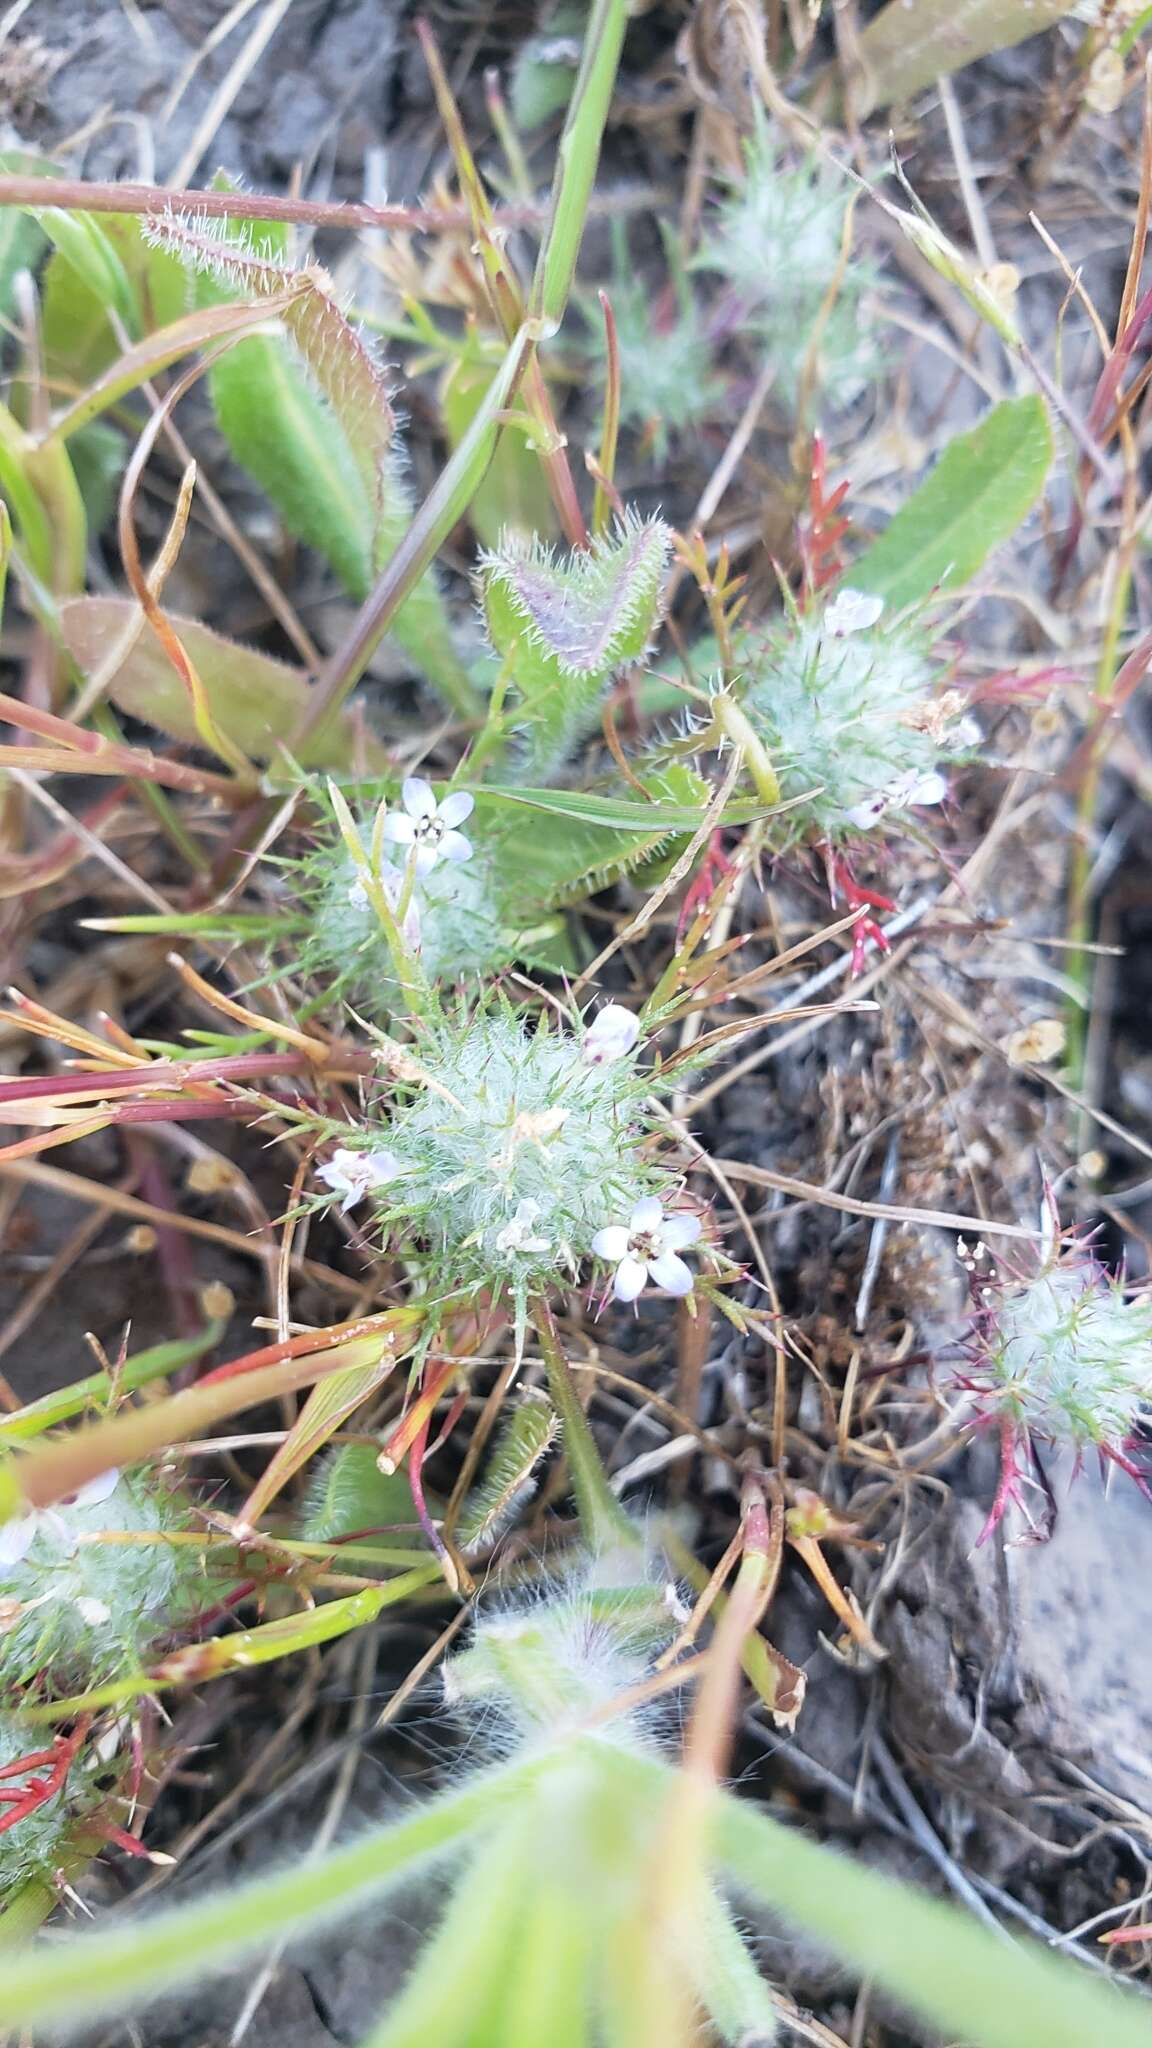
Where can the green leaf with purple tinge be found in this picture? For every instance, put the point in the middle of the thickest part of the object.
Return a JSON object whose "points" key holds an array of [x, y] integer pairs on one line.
{"points": [[566, 626]]}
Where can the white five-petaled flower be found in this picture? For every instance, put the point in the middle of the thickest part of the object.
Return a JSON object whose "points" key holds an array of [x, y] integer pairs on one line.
{"points": [[907, 790], [520, 1234], [610, 1036], [852, 611], [356, 1175], [428, 827], [646, 1248], [18, 1536]]}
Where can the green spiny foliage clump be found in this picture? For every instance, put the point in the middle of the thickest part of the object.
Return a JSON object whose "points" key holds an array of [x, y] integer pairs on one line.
{"points": [[512, 1155], [669, 382], [566, 628], [460, 916], [81, 1607], [847, 706], [777, 237], [1067, 1357], [1060, 1357]]}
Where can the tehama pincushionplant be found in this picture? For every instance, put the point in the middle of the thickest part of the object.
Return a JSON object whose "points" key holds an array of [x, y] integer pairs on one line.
{"points": [[777, 237], [52, 1791], [848, 706], [564, 1884], [509, 1150], [1062, 1358]]}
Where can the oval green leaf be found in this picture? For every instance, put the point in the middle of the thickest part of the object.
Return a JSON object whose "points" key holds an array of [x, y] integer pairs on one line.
{"points": [[983, 488]]}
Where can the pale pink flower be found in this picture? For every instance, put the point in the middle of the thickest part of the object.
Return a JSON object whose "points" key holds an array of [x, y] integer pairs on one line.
{"points": [[611, 1036], [356, 1175]]}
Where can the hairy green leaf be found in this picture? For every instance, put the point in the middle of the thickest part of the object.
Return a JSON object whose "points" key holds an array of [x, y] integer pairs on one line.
{"points": [[348, 1493], [313, 423], [526, 1436], [623, 814], [565, 627], [982, 488]]}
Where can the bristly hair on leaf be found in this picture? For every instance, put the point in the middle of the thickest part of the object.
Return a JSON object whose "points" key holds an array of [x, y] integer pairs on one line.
{"points": [[567, 626], [341, 364]]}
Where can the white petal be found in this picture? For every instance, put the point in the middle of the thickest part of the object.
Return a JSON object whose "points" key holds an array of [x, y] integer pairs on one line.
{"points": [[457, 806], [671, 1274], [611, 1035], [630, 1277], [867, 815], [94, 1612], [379, 1168], [399, 829], [425, 857], [611, 1242], [16, 1539], [337, 1172], [927, 789], [98, 1489], [455, 847], [681, 1230], [647, 1215], [852, 611], [418, 797]]}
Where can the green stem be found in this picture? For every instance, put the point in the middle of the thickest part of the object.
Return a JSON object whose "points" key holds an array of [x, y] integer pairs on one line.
{"points": [[604, 1521], [112, 1967], [446, 503], [577, 159]]}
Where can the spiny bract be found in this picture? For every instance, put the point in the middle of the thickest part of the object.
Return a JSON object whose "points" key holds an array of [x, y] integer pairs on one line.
{"points": [[850, 715], [81, 1607], [34, 1848], [566, 626]]}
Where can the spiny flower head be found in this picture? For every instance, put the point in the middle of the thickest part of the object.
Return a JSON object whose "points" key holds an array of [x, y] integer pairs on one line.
{"points": [[79, 1607], [458, 911], [846, 704], [1062, 1358], [668, 375], [777, 237], [509, 1149]]}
